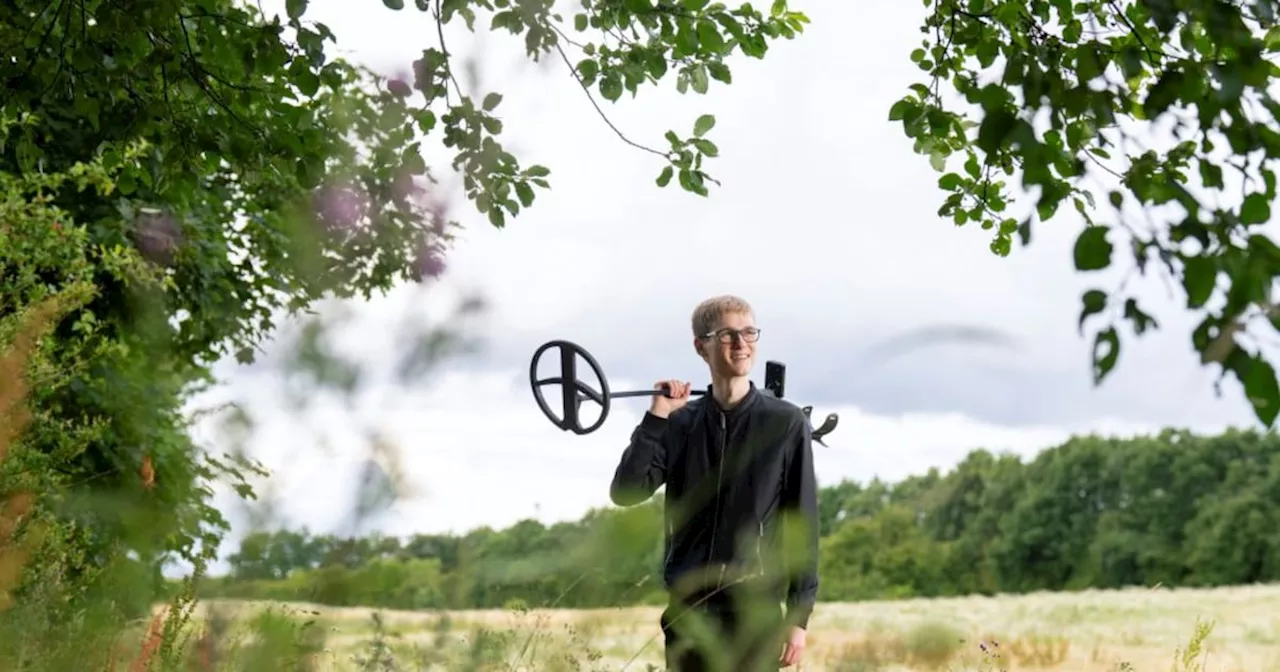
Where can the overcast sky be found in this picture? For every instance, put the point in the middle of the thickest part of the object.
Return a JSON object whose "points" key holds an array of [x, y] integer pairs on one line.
{"points": [[826, 222]]}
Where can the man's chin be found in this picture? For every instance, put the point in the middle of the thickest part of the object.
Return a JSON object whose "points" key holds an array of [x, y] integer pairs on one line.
{"points": [[737, 369]]}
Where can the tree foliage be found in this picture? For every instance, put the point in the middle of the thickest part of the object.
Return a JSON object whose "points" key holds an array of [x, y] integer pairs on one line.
{"points": [[1154, 120], [180, 174], [1174, 509]]}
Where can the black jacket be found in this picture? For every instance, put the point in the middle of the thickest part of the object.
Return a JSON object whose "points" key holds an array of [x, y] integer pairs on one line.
{"points": [[729, 476]]}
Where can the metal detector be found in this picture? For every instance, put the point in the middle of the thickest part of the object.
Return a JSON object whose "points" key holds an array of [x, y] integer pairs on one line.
{"points": [[573, 391]]}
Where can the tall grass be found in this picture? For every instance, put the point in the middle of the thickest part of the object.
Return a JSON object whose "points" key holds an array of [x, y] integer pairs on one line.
{"points": [[395, 642]]}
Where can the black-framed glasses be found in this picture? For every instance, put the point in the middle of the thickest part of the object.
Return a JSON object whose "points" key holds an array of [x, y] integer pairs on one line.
{"points": [[726, 336]]}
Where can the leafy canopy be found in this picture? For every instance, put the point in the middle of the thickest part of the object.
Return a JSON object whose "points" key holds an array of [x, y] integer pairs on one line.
{"points": [[1167, 104], [242, 172]]}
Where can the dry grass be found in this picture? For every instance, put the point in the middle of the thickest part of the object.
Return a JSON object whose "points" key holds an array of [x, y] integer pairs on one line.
{"points": [[1086, 631]]}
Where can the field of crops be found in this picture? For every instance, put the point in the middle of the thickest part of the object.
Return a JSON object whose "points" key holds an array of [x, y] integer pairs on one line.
{"points": [[1135, 629]]}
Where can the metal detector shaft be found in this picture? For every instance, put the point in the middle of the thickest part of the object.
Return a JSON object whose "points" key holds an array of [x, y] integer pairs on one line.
{"points": [[650, 393]]}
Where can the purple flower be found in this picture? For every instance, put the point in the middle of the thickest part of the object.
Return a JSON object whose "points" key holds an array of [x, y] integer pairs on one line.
{"points": [[406, 187], [156, 235], [398, 88], [340, 207], [429, 265]]}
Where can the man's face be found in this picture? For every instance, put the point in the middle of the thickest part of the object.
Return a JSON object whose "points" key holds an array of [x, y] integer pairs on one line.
{"points": [[735, 358]]}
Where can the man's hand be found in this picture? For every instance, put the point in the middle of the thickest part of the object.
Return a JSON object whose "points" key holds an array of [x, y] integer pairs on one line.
{"points": [[793, 647], [676, 397]]}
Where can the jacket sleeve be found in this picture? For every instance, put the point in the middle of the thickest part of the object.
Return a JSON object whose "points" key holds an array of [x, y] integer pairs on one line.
{"points": [[800, 499], [643, 468]]}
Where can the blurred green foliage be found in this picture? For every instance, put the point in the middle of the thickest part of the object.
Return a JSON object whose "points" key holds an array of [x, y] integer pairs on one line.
{"points": [[177, 179]]}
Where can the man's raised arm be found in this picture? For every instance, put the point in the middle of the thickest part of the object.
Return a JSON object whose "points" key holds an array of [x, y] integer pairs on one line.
{"points": [[642, 469]]}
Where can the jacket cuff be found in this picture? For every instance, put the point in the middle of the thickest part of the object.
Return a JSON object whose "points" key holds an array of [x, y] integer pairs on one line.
{"points": [[652, 424], [798, 614]]}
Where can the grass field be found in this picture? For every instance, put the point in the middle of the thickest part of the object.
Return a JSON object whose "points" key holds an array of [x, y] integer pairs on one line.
{"points": [[1136, 629]]}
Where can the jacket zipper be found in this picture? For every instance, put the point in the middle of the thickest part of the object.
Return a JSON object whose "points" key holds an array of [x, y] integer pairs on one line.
{"points": [[715, 520]]}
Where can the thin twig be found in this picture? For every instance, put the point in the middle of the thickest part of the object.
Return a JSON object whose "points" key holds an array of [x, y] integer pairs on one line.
{"points": [[599, 111], [444, 49], [1133, 30], [564, 37]]}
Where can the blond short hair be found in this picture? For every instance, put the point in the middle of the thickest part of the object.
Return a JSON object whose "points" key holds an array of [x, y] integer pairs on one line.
{"points": [[707, 316]]}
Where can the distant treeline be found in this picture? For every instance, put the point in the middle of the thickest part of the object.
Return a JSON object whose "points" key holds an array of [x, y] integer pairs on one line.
{"points": [[1174, 509]]}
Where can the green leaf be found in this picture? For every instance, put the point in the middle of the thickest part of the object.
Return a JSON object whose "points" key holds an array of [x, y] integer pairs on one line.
{"points": [[1092, 250], [580, 22], [987, 51], [1261, 389], [703, 125], [1142, 322], [718, 71], [491, 101], [899, 109], [664, 178], [1255, 209], [588, 71], [688, 181], [307, 173], [1199, 277], [1094, 301], [1047, 207], [308, 83], [950, 182], [295, 8], [705, 146], [1272, 39], [611, 87], [525, 193], [656, 65], [700, 79], [1162, 94], [995, 128], [1106, 351], [1210, 174], [710, 36], [394, 4]]}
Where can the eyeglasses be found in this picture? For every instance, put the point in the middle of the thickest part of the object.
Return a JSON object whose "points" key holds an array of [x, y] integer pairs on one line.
{"points": [[726, 336]]}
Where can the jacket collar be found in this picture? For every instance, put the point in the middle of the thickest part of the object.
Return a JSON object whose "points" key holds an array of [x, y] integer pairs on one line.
{"points": [[740, 409]]}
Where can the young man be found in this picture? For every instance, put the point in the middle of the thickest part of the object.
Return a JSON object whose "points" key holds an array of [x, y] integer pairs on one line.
{"points": [[738, 466]]}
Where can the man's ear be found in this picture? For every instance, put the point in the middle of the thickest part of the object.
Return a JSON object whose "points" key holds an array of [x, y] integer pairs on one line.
{"points": [[697, 347]]}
